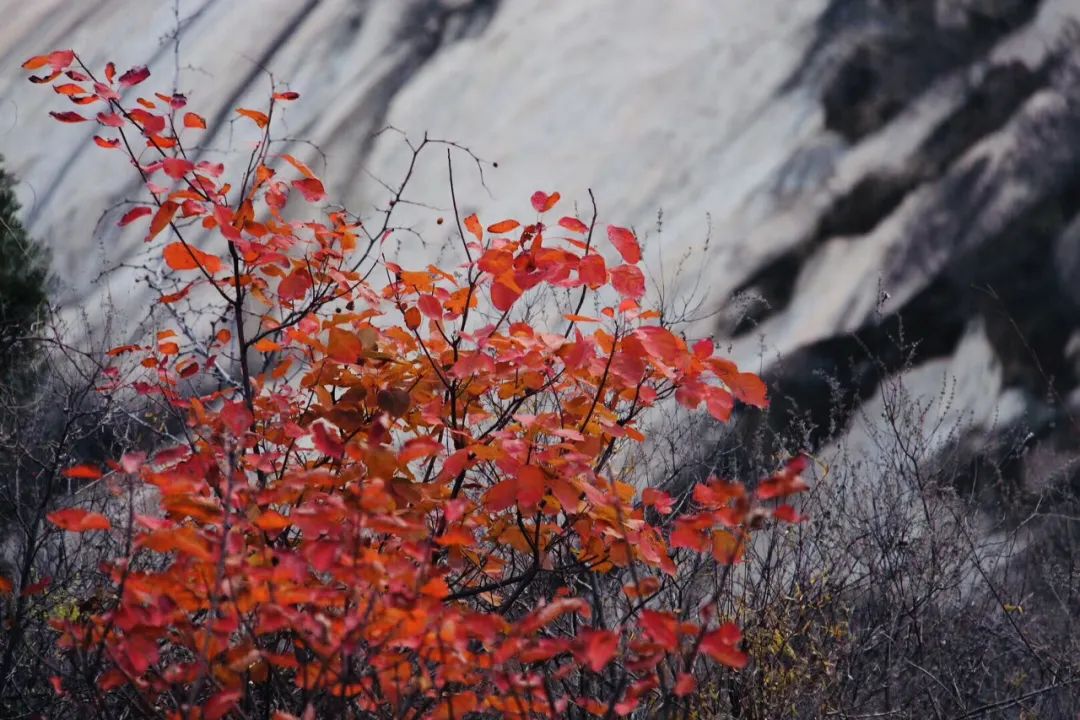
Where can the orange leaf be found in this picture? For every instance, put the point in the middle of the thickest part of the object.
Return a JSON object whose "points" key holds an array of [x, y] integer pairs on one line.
{"points": [[343, 346], [503, 226], [260, 118], [472, 224], [58, 59], [191, 120], [179, 256], [726, 548], [162, 219], [301, 167], [68, 89], [108, 145], [496, 261]]}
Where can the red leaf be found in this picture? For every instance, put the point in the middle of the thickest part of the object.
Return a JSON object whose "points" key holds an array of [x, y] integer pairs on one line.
{"points": [[504, 293], [598, 648], [592, 270], [501, 495], [79, 520], [660, 343], [786, 513], [719, 403], [625, 242], [134, 214], [542, 202], [68, 117], [179, 256], [37, 587], [108, 144], [629, 281], [658, 499], [176, 168], [722, 645], [325, 442], [574, 225], [430, 306], [295, 285], [237, 417], [662, 628], [685, 685], [134, 76], [191, 120], [287, 96], [531, 483], [150, 123], [221, 704], [83, 472], [687, 534], [110, 119], [417, 448], [311, 188]]}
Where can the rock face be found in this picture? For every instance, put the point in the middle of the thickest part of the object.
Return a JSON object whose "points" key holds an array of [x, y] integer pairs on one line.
{"points": [[838, 172]]}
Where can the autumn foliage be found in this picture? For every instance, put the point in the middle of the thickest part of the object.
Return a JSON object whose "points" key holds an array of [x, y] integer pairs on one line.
{"points": [[397, 496]]}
